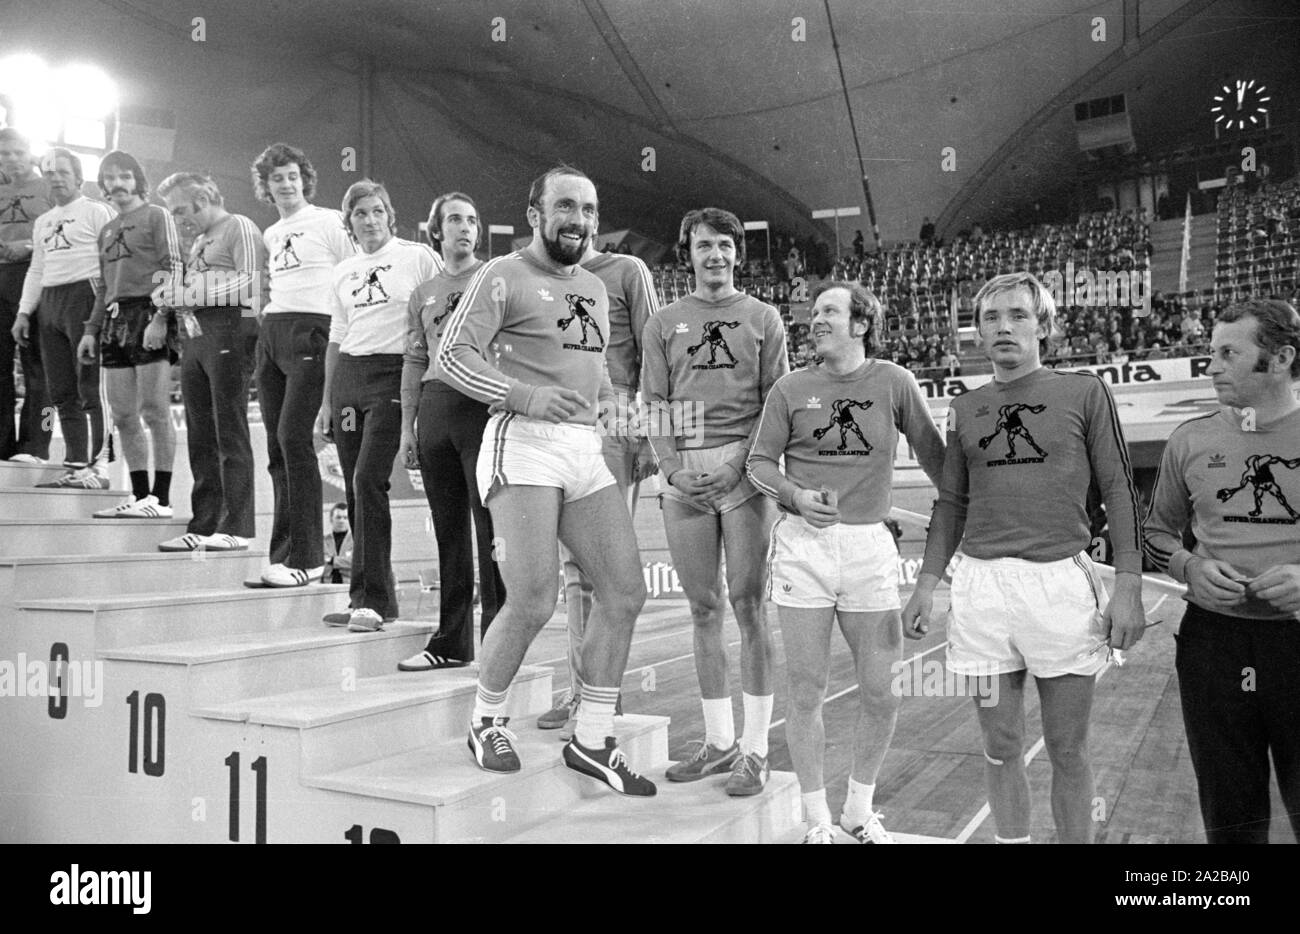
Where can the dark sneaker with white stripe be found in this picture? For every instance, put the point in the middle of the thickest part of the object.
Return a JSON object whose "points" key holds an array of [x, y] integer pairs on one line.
{"points": [[608, 765], [493, 745]]}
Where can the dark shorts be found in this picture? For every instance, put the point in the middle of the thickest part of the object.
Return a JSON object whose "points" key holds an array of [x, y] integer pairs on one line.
{"points": [[121, 340]]}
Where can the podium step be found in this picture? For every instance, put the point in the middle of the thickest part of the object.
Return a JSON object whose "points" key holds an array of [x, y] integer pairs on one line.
{"points": [[471, 805], [58, 504], [36, 577], [379, 716], [22, 476], [259, 663], [145, 618], [698, 812], [19, 536]]}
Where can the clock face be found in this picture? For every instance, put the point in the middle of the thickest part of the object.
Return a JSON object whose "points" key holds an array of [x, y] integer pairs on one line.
{"points": [[1241, 105]]}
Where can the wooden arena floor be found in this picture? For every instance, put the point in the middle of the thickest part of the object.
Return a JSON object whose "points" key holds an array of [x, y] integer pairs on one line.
{"points": [[932, 782]]}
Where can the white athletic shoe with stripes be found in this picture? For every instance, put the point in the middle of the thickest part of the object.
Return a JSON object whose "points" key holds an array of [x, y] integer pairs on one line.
{"points": [[191, 541], [279, 575], [147, 507], [872, 831]]}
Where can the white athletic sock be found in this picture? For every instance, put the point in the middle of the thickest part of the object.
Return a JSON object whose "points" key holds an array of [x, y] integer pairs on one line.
{"points": [[595, 716], [857, 806], [489, 703], [815, 808], [719, 724], [758, 720]]}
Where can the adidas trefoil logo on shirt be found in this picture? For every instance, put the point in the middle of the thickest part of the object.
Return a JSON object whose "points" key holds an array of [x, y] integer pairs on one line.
{"points": [[682, 328], [814, 402], [1217, 460], [546, 295]]}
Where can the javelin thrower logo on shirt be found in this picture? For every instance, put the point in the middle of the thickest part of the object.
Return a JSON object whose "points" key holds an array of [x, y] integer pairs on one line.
{"points": [[842, 418], [452, 301], [1259, 475], [1009, 421], [14, 213], [287, 257], [117, 248], [57, 239], [578, 305], [370, 282], [712, 337]]}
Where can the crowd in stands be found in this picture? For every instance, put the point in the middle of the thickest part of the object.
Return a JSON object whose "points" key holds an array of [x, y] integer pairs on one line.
{"points": [[1258, 239], [918, 281]]}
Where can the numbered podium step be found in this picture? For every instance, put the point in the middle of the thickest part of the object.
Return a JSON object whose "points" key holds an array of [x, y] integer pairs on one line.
{"points": [[87, 536], [37, 577], [470, 805], [697, 812], [58, 504], [165, 772], [144, 618], [213, 669], [345, 724]]}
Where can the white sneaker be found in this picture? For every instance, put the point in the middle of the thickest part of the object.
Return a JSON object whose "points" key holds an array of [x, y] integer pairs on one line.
{"points": [[819, 833], [187, 542], [873, 831], [114, 512], [146, 508], [27, 459], [82, 478], [223, 542], [278, 575], [365, 620]]}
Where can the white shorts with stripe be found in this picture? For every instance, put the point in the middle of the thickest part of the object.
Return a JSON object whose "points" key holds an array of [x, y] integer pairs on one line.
{"points": [[853, 568], [1009, 614], [522, 451]]}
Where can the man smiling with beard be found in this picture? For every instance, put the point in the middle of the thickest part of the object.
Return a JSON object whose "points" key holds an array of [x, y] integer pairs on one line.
{"points": [[514, 343]]}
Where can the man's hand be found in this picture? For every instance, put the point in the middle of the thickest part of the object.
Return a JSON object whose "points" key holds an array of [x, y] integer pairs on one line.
{"points": [[643, 465], [692, 483], [21, 329], [1279, 587], [916, 615], [88, 349], [809, 505], [555, 404], [1125, 617], [717, 483], [1214, 584], [409, 450], [155, 335], [325, 422]]}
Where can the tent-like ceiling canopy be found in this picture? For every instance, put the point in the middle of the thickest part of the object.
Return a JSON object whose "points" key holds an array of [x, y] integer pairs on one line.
{"points": [[963, 111]]}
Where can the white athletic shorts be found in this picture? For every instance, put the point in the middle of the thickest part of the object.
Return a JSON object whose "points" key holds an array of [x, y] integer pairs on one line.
{"points": [[853, 568], [522, 451], [707, 460], [1009, 614]]}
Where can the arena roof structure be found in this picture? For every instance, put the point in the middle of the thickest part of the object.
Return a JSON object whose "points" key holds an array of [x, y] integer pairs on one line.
{"points": [[963, 112]]}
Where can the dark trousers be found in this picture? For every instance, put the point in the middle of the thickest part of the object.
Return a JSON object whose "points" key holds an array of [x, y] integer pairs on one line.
{"points": [[215, 391], [290, 387], [450, 431], [1240, 686], [73, 387], [367, 412], [31, 435]]}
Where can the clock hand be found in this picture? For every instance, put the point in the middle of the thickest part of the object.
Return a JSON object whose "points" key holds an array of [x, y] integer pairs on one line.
{"points": [[1241, 94]]}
